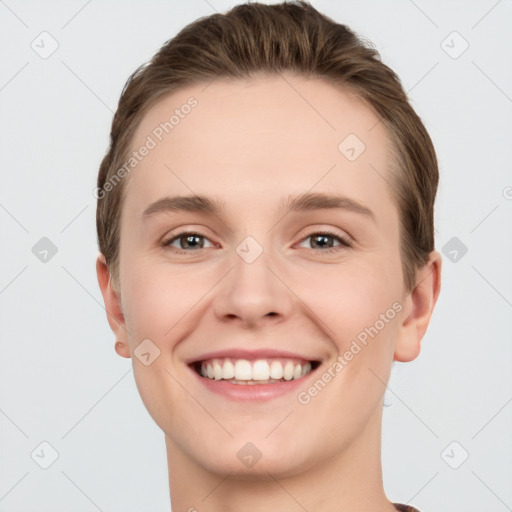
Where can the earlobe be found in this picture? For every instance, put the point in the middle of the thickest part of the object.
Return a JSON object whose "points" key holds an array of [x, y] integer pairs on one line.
{"points": [[419, 309], [122, 349], [113, 307]]}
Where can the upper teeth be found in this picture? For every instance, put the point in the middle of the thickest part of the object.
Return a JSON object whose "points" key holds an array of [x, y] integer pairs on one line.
{"points": [[261, 369]]}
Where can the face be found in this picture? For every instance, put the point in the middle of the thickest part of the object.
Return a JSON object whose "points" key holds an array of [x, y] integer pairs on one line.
{"points": [[282, 268]]}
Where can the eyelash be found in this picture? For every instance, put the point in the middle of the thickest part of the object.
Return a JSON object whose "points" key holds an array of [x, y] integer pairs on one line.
{"points": [[344, 243]]}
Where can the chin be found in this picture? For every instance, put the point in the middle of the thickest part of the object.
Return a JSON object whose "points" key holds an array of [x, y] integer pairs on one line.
{"points": [[256, 461]]}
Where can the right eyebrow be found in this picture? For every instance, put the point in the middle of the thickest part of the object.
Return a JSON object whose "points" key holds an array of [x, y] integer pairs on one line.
{"points": [[183, 203]]}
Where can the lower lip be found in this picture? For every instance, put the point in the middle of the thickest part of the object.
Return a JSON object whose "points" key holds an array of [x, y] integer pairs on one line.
{"points": [[252, 392]]}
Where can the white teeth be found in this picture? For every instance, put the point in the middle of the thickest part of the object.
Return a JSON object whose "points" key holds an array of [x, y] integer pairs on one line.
{"points": [[243, 370], [217, 370], [288, 371], [228, 370], [261, 371], [276, 370]]}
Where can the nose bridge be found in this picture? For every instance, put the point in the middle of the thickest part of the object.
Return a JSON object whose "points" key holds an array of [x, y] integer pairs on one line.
{"points": [[252, 290]]}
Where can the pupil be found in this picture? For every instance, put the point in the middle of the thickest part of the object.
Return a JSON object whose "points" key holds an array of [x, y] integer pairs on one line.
{"points": [[326, 241], [189, 241]]}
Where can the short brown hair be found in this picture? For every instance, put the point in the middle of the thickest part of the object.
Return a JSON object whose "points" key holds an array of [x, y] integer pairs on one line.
{"points": [[291, 36]]}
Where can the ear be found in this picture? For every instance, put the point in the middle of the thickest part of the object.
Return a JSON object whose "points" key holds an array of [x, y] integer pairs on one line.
{"points": [[418, 309], [113, 307]]}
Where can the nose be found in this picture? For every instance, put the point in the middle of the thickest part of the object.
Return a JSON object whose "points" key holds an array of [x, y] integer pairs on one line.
{"points": [[253, 293]]}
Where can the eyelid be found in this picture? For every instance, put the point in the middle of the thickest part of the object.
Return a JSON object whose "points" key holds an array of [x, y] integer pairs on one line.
{"points": [[197, 229], [344, 240], [172, 236], [330, 231]]}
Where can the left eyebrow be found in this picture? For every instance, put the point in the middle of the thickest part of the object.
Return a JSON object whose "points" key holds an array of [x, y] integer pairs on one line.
{"points": [[318, 201]]}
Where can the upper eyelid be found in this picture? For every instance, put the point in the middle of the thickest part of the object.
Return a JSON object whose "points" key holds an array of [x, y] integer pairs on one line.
{"points": [[174, 237], [343, 239], [172, 234], [330, 231]]}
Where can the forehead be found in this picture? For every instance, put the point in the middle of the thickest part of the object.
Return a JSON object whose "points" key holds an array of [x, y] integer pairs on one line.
{"points": [[253, 138]]}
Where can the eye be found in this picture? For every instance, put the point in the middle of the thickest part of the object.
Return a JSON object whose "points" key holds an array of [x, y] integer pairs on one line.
{"points": [[326, 241], [187, 241]]}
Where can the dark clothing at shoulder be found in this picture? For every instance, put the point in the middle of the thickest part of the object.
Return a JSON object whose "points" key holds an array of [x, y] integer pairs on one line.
{"points": [[405, 508]]}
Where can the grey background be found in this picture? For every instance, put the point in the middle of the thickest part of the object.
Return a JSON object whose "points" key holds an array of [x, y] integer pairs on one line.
{"points": [[61, 381]]}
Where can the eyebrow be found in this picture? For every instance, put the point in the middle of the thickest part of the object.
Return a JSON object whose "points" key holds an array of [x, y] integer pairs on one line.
{"points": [[302, 203]]}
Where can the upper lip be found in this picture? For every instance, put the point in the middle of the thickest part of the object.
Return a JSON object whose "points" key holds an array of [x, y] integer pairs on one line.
{"points": [[237, 353]]}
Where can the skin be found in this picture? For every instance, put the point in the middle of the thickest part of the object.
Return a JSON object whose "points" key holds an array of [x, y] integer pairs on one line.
{"points": [[251, 144]]}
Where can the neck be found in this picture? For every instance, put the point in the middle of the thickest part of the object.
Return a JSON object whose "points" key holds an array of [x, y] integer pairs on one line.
{"points": [[350, 480]]}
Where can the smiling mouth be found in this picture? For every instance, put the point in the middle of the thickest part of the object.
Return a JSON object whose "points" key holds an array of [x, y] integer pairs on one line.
{"points": [[259, 371]]}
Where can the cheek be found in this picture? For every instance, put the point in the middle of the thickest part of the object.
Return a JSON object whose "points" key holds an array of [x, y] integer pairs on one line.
{"points": [[349, 299], [161, 305], [159, 299], [359, 309]]}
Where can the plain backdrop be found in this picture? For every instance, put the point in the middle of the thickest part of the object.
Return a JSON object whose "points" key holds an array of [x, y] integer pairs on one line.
{"points": [[447, 443]]}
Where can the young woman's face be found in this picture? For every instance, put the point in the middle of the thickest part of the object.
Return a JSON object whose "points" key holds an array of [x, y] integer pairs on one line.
{"points": [[253, 279]]}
